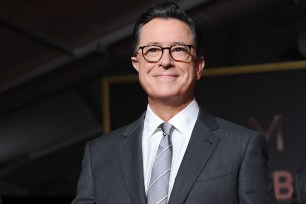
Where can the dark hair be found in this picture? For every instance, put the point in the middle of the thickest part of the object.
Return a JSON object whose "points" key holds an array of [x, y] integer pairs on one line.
{"points": [[167, 10]]}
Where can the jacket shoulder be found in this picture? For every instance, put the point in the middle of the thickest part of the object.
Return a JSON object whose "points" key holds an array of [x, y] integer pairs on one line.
{"points": [[234, 129], [112, 138]]}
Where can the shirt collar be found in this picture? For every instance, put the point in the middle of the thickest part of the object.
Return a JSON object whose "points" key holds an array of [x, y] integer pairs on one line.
{"points": [[183, 121], [151, 123]]}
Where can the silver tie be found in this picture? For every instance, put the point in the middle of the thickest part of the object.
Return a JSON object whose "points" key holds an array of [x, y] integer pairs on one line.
{"points": [[159, 182]]}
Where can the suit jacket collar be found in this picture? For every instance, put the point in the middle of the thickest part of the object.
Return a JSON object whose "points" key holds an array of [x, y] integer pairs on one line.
{"points": [[131, 161], [201, 145]]}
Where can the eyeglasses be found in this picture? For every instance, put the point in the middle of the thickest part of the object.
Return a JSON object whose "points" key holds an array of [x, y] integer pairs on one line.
{"points": [[153, 53]]}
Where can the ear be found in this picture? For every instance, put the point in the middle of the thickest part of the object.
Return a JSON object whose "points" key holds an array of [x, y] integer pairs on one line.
{"points": [[135, 63], [200, 63]]}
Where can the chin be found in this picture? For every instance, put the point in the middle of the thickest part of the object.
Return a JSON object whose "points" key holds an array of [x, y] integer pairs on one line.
{"points": [[168, 97], [166, 94]]}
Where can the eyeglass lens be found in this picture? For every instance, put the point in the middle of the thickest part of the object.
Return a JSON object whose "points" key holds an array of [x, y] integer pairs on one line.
{"points": [[154, 53]]}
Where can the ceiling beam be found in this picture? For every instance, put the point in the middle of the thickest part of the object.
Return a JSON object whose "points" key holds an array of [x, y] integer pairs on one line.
{"points": [[37, 36]]}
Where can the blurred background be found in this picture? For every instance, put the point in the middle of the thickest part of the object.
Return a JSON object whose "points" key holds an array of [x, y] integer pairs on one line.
{"points": [[59, 61]]}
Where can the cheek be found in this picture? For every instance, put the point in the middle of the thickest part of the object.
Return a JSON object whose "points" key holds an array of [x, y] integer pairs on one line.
{"points": [[192, 74], [144, 78], [143, 75]]}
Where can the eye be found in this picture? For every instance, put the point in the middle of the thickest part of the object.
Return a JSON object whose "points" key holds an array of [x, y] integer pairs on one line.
{"points": [[152, 50], [179, 49]]}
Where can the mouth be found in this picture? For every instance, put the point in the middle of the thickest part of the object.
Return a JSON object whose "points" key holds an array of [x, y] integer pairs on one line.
{"points": [[166, 75]]}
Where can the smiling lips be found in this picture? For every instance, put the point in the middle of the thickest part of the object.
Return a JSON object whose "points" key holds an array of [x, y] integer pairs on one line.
{"points": [[166, 75]]}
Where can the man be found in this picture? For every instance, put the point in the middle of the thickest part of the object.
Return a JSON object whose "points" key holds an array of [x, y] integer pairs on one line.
{"points": [[299, 187], [193, 158]]}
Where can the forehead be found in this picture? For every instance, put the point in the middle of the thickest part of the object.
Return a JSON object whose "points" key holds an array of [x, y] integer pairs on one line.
{"points": [[165, 31]]}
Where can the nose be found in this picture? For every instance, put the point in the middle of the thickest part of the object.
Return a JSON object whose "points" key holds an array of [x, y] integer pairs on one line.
{"points": [[166, 59]]}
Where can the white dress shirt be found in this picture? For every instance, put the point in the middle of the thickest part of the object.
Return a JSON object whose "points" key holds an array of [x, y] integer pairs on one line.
{"points": [[183, 122]]}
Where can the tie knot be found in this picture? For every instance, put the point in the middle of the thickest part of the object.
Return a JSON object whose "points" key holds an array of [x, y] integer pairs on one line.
{"points": [[167, 128]]}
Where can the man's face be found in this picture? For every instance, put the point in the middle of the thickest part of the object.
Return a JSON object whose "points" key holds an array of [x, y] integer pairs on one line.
{"points": [[168, 80]]}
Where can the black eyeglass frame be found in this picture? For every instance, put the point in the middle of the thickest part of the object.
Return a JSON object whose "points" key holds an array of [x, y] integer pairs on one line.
{"points": [[165, 48]]}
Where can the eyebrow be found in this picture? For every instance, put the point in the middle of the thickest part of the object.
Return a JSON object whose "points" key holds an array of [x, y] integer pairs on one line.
{"points": [[173, 43]]}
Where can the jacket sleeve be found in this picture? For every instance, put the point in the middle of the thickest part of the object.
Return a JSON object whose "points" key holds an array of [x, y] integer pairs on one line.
{"points": [[85, 190], [254, 182]]}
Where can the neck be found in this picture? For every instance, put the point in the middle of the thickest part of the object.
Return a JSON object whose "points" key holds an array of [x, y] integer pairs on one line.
{"points": [[165, 109]]}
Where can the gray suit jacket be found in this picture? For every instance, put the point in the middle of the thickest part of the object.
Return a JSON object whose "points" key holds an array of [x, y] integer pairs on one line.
{"points": [[299, 187], [223, 163]]}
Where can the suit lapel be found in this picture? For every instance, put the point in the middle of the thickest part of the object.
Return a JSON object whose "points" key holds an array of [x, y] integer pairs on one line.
{"points": [[201, 145], [131, 161]]}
